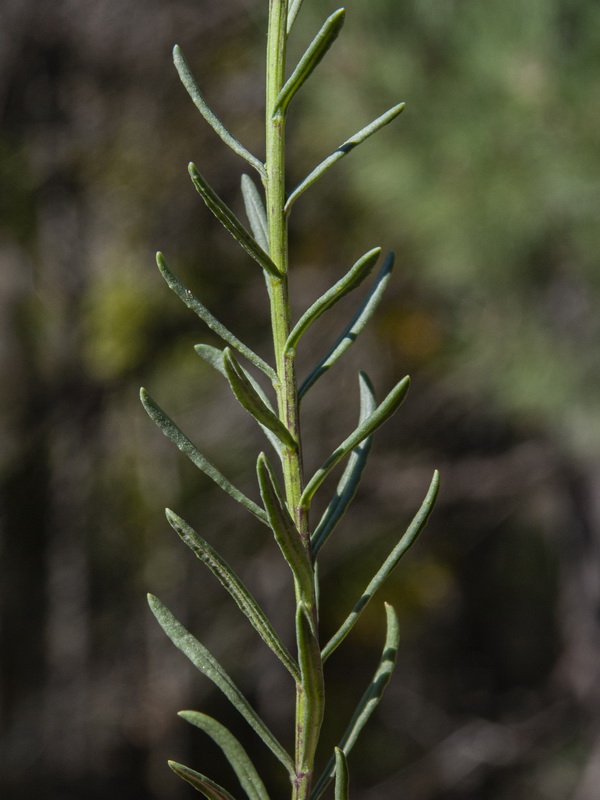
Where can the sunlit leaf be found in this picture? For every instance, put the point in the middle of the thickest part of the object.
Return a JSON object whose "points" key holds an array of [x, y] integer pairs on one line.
{"points": [[208, 665], [234, 752]]}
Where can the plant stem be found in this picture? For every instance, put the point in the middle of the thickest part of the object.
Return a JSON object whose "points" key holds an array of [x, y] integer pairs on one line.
{"points": [[309, 690]]}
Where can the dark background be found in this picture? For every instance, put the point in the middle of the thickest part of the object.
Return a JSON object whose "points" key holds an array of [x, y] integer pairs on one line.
{"points": [[487, 187]]}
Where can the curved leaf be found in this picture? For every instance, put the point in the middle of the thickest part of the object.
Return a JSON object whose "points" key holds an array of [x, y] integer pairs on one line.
{"points": [[309, 61], [346, 488], [380, 415], [353, 278], [342, 151], [354, 327], [369, 700], [210, 789], [312, 699], [186, 296], [228, 219], [214, 357], [176, 435], [236, 588], [251, 400], [234, 752], [194, 92], [208, 665], [255, 211], [286, 534], [407, 539]]}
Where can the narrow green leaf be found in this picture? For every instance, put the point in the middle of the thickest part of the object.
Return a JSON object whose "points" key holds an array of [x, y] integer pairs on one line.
{"points": [[176, 435], [309, 61], [234, 752], [353, 278], [236, 588], [354, 327], [255, 211], [342, 781], [313, 688], [368, 701], [286, 534], [381, 414], [346, 488], [293, 10], [342, 151], [194, 92], [250, 399], [210, 789], [206, 663], [406, 540], [228, 219], [185, 295], [214, 357]]}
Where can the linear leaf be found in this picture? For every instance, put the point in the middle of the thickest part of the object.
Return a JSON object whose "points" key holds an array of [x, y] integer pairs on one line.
{"points": [[294, 7], [353, 278], [406, 540], [250, 399], [382, 413], [312, 684], [210, 789], [342, 151], [255, 211], [194, 92], [369, 700], [176, 435], [309, 61], [233, 750], [236, 588], [186, 296], [354, 327], [286, 534], [346, 488], [206, 663], [228, 219], [214, 357], [341, 775]]}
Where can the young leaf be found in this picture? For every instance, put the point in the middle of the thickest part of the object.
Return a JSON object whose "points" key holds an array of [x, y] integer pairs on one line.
{"points": [[353, 278], [354, 327], [286, 534], [309, 61], [194, 92], [293, 9], [369, 700], [228, 219], [186, 296], [210, 789], [250, 399], [214, 357], [176, 435], [342, 151], [236, 588], [234, 752], [341, 775], [255, 211], [346, 488], [380, 415], [407, 539], [206, 663], [312, 684]]}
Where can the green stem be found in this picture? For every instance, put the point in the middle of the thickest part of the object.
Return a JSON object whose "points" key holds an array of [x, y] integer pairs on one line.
{"points": [[309, 689]]}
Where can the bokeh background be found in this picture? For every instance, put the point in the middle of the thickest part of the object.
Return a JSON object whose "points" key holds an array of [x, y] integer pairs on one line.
{"points": [[488, 189]]}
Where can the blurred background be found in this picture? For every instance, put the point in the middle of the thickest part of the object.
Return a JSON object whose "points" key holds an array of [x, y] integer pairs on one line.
{"points": [[487, 187]]}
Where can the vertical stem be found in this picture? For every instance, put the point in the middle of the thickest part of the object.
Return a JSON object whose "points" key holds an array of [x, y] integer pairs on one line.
{"points": [[309, 690]]}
